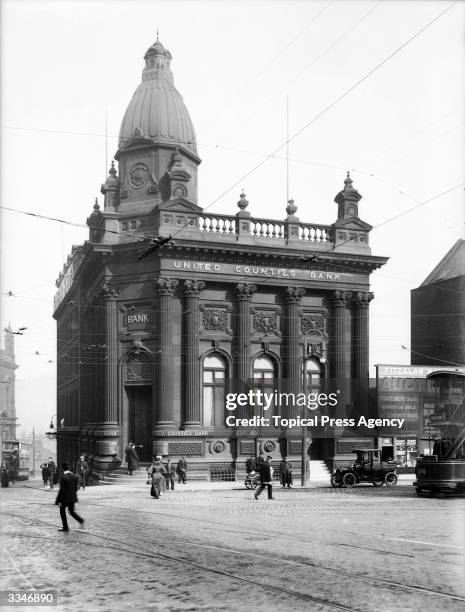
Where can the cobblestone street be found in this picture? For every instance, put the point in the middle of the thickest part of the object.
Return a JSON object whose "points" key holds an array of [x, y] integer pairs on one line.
{"points": [[310, 549]]}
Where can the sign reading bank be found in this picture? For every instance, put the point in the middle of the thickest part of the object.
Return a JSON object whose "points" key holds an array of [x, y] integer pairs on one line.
{"points": [[138, 319]]}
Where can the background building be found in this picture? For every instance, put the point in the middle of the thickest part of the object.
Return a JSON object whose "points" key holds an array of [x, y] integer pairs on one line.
{"points": [[438, 314], [152, 336], [7, 386]]}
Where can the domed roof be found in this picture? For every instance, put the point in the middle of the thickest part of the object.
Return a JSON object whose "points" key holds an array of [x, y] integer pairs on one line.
{"points": [[157, 110]]}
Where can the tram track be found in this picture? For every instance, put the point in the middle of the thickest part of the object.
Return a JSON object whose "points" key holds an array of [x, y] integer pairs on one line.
{"points": [[196, 542]]}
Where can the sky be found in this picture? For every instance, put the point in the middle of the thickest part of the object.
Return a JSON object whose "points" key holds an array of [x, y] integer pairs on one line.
{"points": [[376, 88]]}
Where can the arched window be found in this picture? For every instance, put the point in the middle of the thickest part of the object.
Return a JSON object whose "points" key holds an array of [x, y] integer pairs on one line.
{"points": [[214, 388], [264, 373], [312, 376]]}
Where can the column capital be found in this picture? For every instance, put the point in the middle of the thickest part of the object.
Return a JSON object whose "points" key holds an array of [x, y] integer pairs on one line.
{"points": [[293, 295], [193, 287], [244, 291], [362, 299], [110, 292], [166, 286], [341, 298]]}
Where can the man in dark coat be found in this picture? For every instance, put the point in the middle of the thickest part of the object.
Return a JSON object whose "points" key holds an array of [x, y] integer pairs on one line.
{"points": [[251, 465], [52, 468], [286, 473], [169, 476], [45, 473], [131, 457], [67, 497], [82, 468], [181, 469], [265, 478]]}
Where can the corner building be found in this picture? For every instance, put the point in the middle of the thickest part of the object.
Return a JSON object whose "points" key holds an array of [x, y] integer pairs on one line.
{"points": [[149, 347]]}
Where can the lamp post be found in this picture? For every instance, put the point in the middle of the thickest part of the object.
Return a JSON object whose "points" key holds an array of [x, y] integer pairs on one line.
{"points": [[52, 433]]}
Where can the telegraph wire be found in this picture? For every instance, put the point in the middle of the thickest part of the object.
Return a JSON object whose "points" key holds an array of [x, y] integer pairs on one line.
{"points": [[333, 103], [327, 50], [276, 56], [461, 365]]}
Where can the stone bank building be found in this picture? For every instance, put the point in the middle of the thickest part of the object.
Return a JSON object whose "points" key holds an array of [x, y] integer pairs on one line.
{"points": [[149, 347]]}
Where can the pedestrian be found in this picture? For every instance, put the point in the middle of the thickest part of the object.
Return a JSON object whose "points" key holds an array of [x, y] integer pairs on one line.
{"points": [[286, 473], [67, 497], [131, 457], [3, 476], [181, 470], [45, 473], [251, 465], [265, 478], [52, 468], [169, 476], [156, 473], [82, 468]]}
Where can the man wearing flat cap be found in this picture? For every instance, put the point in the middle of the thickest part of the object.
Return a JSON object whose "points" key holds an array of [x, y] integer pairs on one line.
{"points": [[156, 474], [67, 497], [265, 478]]}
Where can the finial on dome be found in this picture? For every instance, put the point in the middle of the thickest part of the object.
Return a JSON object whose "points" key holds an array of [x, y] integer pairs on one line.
{"points": [[243, 202], [96, 205], [348, 181], [112, 170], [157, 35]]}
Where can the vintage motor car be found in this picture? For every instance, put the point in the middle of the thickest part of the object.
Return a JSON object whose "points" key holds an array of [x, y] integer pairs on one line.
{"points": [[367, 467]]}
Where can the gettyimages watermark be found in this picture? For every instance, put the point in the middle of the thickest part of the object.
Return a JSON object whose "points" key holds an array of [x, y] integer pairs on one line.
{"points": [[350, 403]]}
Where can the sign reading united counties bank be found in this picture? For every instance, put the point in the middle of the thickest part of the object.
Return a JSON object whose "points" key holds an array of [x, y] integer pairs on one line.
{"points": [[264, 271]]}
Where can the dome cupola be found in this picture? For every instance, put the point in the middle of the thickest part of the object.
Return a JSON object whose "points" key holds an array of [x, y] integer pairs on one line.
{"points": [[157, 150]]}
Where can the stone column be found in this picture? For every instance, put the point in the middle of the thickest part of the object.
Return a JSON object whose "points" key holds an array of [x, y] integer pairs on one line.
{"points": [[292, 370], [244, 293], [191, 370], [110, 295], [165, 288], [360, 350], [340, 365], [107, 433]]}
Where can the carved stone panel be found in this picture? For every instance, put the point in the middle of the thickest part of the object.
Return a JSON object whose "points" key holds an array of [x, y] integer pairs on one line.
{"points": [[138, 368], [215, 318], [313, 323], [265, 321]]}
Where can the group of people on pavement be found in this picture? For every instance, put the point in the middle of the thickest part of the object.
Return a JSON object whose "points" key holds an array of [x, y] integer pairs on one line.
{"points": [[49, 473], [161, 475], [264, 468]]}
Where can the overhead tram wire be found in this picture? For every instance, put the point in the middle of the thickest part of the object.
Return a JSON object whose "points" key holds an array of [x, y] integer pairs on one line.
{"points": [[276, 56], [332, 104], [308, 66]]}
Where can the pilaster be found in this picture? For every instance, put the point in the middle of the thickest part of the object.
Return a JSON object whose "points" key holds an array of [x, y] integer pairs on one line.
{"points": [[191, 367], [163, 419]]}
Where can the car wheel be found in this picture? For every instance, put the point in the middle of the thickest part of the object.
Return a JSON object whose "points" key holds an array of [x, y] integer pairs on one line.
{"points": [[349, 479], [390, 479], [248, 484]]}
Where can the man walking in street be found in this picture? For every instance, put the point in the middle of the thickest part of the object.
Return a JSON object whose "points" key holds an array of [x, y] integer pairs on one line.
{"points": [[67, 497], [265, 478]]}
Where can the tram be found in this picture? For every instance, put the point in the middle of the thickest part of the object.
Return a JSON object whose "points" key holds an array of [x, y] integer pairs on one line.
{"points": [[444, 470], [16, 458]]}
